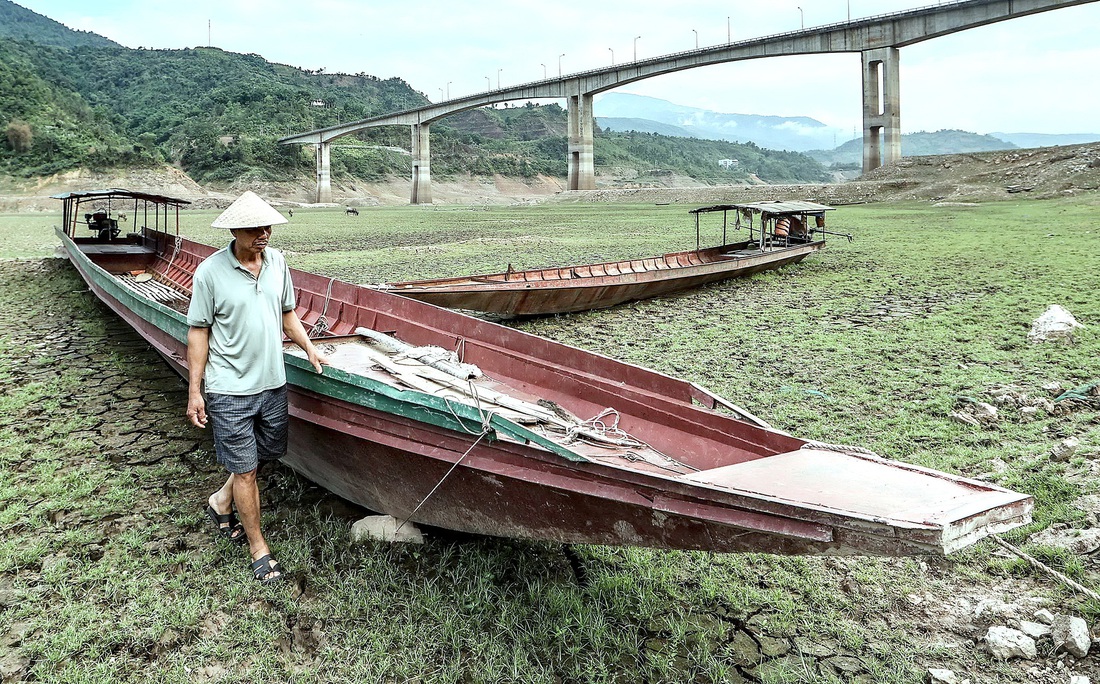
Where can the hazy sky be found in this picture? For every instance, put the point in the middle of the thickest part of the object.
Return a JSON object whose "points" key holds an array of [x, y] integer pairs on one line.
{"points": [[1036, 74]]}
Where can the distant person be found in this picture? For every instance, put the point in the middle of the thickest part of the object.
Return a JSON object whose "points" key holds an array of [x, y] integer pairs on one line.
{"points": [[242, 304]]}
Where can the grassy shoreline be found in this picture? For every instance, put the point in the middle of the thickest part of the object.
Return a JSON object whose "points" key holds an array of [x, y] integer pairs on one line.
{"points": [[108, 572]]}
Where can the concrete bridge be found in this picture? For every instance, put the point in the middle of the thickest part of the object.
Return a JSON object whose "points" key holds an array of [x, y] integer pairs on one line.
{"points": [[878, 39]]}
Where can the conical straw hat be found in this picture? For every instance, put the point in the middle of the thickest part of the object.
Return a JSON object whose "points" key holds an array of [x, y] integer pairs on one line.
{"points": [[248, 211]]}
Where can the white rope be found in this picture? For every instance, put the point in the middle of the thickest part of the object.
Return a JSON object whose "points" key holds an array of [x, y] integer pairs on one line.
{"points": [[321, 326], [175, 253], [484, 431]]}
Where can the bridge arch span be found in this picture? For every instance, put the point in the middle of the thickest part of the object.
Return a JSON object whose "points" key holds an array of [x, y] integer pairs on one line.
{"points": [[878, 39]]}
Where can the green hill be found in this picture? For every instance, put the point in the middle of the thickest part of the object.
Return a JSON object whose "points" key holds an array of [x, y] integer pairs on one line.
{"points": [[947, 141], [69, 101], [19, 23]]}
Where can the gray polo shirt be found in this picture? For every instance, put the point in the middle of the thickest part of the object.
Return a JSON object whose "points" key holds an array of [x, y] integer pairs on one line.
{"points": [[245, 317]]}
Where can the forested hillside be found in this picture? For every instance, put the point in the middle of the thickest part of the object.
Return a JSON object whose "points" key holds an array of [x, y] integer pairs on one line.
{"points": [[218, 116]]}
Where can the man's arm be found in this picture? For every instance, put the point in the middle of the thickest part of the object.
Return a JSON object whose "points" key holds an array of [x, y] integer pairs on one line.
{"points": [[198, 349], [297, 334]]}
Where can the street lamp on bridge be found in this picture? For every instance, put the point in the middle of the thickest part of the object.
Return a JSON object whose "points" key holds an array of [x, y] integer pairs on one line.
{"points": [[636, 48], [729, 34], [441, 94], [449, 89], [696, 38], [612, 57], [559, 64], [498, 77], [544, 76], [801, 17], [488, 84]]}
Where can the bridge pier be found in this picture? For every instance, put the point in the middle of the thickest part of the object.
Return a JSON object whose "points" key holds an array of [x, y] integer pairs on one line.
{"points": [[582, 165], [881, 108], [324, 171], [421, 165]]}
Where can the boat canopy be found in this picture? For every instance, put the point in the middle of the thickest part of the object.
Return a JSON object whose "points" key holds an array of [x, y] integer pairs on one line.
{"points": [[773, 208], [106, 211], [118, 193]]}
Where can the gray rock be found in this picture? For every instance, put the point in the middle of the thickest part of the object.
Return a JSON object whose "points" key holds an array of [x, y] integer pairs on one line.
{"points": [[1079, 679], [1034, 630], [385, 528], [1071, 634], [1064, 449], [1007, 643], [991, 608], [941, 676], [1044, 616]]}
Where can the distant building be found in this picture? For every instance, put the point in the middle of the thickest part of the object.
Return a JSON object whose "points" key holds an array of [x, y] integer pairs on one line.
{"points": [[317, 103], [727, 164]]}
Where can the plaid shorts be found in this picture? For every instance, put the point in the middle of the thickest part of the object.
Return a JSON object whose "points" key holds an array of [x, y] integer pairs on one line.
{"points": [[249, 429]]}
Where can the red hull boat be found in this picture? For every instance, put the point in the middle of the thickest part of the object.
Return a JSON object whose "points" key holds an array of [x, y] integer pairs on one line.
{"points": [[779, 234], [456, 422]]}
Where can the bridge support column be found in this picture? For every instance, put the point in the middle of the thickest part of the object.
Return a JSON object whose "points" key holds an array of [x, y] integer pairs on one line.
{"points": [[881, 108], [421, 165], [324, 173], [582, 165]]}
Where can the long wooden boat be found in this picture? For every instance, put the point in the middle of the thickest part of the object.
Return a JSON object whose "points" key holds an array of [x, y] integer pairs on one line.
{"points": [[779, 233], [510, 434]]}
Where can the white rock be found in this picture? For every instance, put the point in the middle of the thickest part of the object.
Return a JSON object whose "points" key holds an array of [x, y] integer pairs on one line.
{"points": [[1029, 412], [1071, 634], [1006, 643], [1044, 616], [1053, 387], [940, 676], [1078, 679], [985, 413], [1034, 629], [1064, 449], [1054, 323], [385, 528]]}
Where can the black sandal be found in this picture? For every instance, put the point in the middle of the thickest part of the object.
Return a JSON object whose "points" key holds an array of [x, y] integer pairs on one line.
{"points": [[266, 565], [228, 525]]}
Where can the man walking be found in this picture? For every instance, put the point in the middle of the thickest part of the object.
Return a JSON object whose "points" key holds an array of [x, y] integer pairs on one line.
{"points": [[242, 303]]}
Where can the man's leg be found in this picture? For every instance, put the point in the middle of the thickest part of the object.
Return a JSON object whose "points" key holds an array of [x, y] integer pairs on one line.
{"points": [[246, 494], [222, 500]]}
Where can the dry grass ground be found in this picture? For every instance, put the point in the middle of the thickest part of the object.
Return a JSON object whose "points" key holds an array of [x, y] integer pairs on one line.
{"points": [[109, 572]]}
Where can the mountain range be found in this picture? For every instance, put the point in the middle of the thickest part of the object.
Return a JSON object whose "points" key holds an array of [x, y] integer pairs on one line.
{"points": [[628, 112]]}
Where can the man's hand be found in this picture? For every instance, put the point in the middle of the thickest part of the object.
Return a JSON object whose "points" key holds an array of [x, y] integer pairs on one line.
{"points": [[316, 358], [196, 410]]}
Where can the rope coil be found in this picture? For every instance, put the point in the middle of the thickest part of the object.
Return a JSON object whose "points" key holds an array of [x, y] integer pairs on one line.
{"points": [[321, 326]]}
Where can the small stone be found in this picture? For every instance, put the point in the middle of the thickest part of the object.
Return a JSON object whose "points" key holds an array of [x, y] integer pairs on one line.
{"points": [[1044, 616], [1054, 388], [1034, 630], [1064, 449], [1071, 634], [940, 676], [1079, 679], [13, 666], [385, 528], [1029, 413], [994, 608], [964, 418], [1007, 643]]}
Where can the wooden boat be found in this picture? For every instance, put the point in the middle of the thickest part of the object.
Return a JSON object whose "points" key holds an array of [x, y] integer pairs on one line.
{"points": [[779, 233], [487, 439]]}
